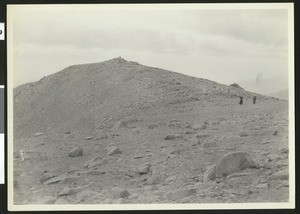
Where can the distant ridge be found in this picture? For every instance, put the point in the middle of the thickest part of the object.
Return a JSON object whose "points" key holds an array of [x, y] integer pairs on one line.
{"points": [[283, 94]]}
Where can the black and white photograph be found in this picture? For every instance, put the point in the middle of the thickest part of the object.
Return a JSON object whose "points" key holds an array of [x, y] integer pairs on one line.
{"points": [[150, 106]]}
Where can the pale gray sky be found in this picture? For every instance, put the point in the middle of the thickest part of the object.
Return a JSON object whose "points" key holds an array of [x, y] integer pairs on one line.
{"points": [[244, 46]]}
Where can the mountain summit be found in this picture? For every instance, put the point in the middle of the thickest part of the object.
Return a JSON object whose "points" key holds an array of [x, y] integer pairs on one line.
{"points": [[99, 94]]}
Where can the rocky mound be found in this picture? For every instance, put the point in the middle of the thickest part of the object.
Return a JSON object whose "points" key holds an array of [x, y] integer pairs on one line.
{"points": [[95, 96]]}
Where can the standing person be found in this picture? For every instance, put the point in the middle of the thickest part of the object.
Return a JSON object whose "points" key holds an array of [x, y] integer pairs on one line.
{"points": [[254, 99], [241, 101]]}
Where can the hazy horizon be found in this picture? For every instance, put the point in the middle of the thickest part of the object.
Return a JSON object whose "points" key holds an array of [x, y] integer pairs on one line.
{"points": [[244, 46]]}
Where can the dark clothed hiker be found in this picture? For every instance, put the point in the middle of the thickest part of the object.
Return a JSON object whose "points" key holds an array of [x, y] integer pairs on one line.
{"points": [[241, 101]]}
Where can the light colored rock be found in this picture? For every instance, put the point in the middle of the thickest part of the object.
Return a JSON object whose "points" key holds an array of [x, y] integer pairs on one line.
{"points": [[262, 186], [281, 175], [228, 164], [113, 151], [88, 138], [144, 169], [57, 179], [232, 163], [170, 178], [75, 152], [67, 191], [118, 192], [95, 163], [46, 176], [210, 173], [178, 136], [193, 141], [45, 200], [199, 127], [179, 194], [86, 164], [38, 134], [267, 142], [154, 179], [234, 175]]}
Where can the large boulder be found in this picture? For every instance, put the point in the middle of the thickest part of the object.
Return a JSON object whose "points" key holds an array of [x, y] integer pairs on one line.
{"points": [[230, 163]]}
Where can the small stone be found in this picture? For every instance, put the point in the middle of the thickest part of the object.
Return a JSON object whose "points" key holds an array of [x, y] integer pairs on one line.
{"points": [[155, 179], [262, 186], [67, 191], [210, 173], [209, 144], [171, 178], [133, 196], [75, 152], [152, 126], [244, 134], [88, 138], [267, 142], [199, 127], [179, 194], [193, 141], [46, 200], [95, 164], [170, 137], [178, 136], [285, 183], [144, 169], [176, 150], [284, 150], [61, 201], [118, 192], [281, 175], [46, 176], [113, 151], [275, 133], [189, 132], [272, 157], [234, 175], [202, 136], [38, 134], [56, 179], [89, 162], [67, 132], [85, 195]]}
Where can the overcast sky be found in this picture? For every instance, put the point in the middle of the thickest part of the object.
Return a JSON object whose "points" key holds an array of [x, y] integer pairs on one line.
{"points": [[246, 46]]}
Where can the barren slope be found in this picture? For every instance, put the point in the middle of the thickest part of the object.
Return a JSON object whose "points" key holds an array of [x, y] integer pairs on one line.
{"points": [[91, 96], [147, 136]]}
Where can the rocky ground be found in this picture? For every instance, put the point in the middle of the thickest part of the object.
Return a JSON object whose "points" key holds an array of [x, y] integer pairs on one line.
{"points": [[161, 158], [121, 132]]}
